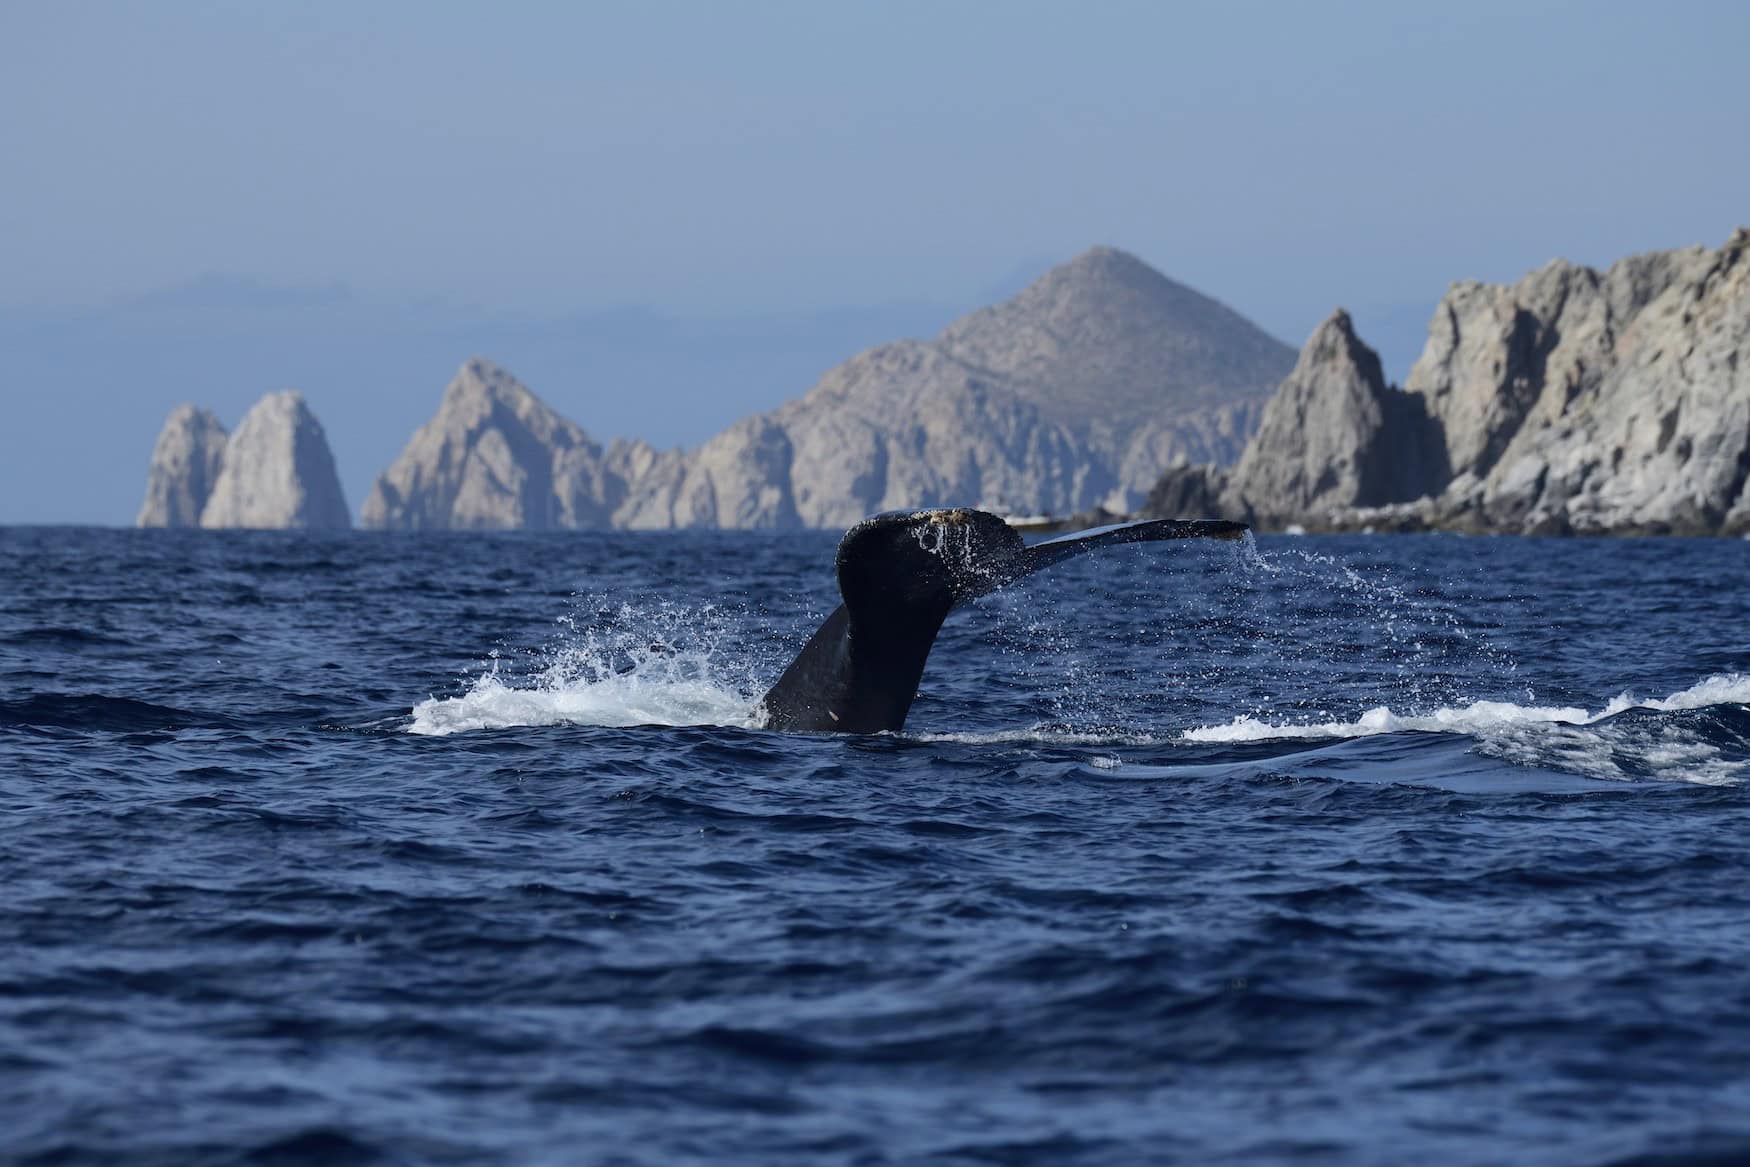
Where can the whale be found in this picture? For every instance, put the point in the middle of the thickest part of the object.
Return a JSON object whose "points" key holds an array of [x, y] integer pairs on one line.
{"points": [[900, 573]]}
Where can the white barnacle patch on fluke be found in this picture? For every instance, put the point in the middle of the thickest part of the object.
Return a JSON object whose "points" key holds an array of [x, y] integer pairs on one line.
{"points": [[979, 550], [934, 529]]}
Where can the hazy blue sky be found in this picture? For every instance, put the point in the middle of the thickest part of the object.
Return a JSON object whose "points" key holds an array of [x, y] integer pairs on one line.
{"points": [[534, 161]]}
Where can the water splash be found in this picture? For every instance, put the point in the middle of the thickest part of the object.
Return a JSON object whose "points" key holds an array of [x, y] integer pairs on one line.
{"points": [[1251, 558], [620, 665], [1304, 619]]}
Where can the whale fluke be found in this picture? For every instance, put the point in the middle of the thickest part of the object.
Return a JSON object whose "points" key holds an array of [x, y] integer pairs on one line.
{"points": [[900, 574]]}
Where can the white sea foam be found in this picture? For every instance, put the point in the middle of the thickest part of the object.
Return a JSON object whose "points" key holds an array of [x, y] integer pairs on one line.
{"points": [[1476, 717], [664, 665], [1044, 735], [1568, 737], [1479, 717]]}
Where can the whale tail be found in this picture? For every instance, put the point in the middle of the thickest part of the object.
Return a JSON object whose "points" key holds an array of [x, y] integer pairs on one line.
{"points": [[900, 574]]}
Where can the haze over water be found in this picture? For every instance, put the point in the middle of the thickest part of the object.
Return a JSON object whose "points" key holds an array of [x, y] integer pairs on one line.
{"points": [[667, 217]]}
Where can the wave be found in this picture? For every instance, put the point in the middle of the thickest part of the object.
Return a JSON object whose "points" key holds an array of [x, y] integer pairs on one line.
{"points": [[100, 712], [618, 666], [64, 638], [681, 666], [1479, 717], [1700, 734]]}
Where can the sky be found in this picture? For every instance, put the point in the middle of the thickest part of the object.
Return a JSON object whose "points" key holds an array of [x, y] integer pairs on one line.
{"points": [[663, 216]]}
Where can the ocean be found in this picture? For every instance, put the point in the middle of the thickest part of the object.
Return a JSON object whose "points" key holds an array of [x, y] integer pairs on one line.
{"points": [[381, 849]]}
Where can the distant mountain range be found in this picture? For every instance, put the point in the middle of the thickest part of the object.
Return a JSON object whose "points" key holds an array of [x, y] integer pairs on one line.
{"points": [[1576, 400], [1079, 391]]}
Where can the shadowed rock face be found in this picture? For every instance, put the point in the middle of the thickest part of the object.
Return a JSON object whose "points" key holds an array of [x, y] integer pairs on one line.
{"points": [[1337, 436], [277, 472], [185, 464], [1574, 400], [1191, 491]]}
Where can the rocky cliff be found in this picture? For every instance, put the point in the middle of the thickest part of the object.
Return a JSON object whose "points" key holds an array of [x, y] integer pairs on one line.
{"points": [[1597, 401], [1336, 436], [496, 457], [1574, 400], [277, 472], [185, 464]]}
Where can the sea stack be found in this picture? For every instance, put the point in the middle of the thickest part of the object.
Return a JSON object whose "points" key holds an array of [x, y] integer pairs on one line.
{"points": [[185, 464], [1336, 436], [494, 457], [277, 472]]}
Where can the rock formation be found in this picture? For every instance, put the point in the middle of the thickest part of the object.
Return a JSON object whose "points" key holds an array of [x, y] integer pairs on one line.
{"points": [[1079, 391], [1192, 490], [185, 464], [1335, 436], [1107, 336], [495, 457], [1597, 401], [277, 472], [1574, 400], [739, 479]]}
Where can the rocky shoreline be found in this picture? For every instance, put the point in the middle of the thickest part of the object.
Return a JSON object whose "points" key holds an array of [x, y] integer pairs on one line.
{"points": [[1575, 401]]}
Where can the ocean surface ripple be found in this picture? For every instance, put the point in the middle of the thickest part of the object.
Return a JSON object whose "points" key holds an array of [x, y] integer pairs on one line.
{"points": [[468, 849]]}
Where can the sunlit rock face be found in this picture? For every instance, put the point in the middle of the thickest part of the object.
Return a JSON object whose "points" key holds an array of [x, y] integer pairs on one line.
{"points": [[185, 464], [277, 472], [1575, 400], [494, 457], [1586, 400], [740, 479], [1079, 391]]}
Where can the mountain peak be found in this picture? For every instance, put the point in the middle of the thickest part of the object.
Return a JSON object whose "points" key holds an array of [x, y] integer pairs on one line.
{"points": [[1101, 279], [1335, 344], [1105, 335], [1104, 262], [477, 374]]}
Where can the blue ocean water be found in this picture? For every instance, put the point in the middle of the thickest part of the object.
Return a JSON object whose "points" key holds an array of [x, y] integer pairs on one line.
{"points": [[467, 849]]}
